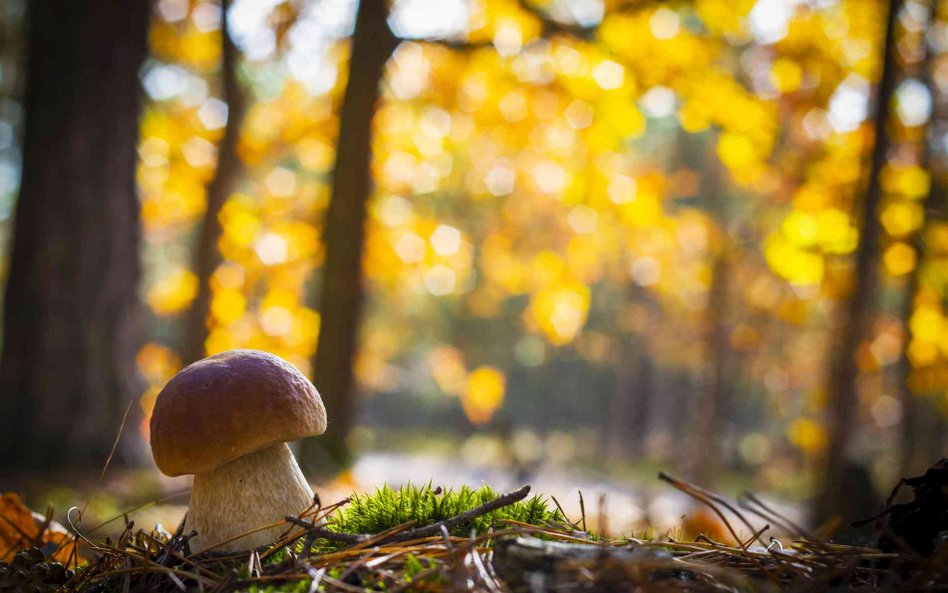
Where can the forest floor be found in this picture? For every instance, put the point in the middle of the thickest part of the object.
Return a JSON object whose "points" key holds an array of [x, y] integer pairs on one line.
{"points": [[614, 502], [441, 539]]}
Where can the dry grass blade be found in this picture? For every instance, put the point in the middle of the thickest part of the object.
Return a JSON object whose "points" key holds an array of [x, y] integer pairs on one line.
{"points": [[708, 500]]}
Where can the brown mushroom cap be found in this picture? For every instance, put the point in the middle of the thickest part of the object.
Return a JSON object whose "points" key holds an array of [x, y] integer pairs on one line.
{"points": [[229, 405]]}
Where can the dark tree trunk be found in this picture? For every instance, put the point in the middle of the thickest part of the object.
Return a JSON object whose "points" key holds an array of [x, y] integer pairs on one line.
{"points": [[715, 397], [637, 386], [911, 462], [71, 312], [629, 412], [340, 303], [709, 412], [909, 425], [683, 395], [937, 442], [206, 256], [855, 314]]}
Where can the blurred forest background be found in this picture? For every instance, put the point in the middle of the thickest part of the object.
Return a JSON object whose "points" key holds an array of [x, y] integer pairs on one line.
{"points": [[707, 235]]}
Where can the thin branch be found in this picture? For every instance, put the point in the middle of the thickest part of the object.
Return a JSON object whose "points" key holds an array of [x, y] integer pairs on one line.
{"points": [[549, 26], [552, 26], [491, 505], [323, 533], [455, 44]]}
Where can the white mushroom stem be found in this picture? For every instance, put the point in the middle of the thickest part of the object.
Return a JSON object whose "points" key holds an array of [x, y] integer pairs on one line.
{"points": [[244, 494]]}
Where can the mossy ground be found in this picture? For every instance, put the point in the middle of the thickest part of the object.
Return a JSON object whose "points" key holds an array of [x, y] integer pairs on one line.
{"points": [[372, 513], [445, 562], [387, 508]]}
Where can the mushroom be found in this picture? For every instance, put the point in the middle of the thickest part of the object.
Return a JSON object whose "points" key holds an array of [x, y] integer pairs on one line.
{"points": [[226, 419]]}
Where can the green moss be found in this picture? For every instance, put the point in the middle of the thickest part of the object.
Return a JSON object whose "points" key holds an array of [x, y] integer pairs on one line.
{"points": [[297, 587], [386, 508], [283, 554]]}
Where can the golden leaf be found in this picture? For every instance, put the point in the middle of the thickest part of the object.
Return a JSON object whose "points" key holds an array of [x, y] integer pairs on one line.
{"points": [[20, 529]]}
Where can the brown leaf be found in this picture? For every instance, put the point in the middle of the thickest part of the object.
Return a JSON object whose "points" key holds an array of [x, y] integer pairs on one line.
{"points": [[20, 529]]}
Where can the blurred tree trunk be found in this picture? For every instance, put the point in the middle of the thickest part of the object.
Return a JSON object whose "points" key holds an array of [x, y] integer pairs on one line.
{"points": [[855, 313], [937, 442], [908, 443], [912, 458], [709, 412], [645, 393], [682, 392], [340, 303], [630, 412], [71, 312], [207, 257], [630, 408], [715, 397]]}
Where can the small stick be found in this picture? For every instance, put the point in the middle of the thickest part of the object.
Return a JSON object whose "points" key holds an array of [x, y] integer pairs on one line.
{"points": [[565, 516], [755, 536], [387, 534], [687, 489], [709, 499], [748, 499], [342, 538], [449, 524], [694, 490], [318, 517]]}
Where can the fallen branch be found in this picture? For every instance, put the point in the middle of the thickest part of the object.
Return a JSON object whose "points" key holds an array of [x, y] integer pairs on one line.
{"points": [[320, 532]]}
